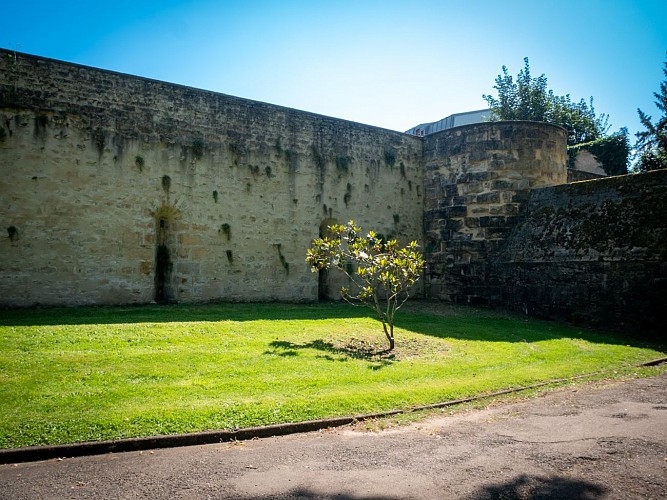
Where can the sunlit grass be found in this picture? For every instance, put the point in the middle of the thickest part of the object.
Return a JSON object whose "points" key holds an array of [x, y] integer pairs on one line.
{"points": [[70, 375]]}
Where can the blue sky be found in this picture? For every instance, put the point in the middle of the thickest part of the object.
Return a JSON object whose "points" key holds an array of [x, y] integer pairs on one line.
{"points": [[388, 63]]}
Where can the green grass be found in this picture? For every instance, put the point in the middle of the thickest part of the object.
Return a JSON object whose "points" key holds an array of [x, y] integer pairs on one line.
{"points": [[71, 375]]}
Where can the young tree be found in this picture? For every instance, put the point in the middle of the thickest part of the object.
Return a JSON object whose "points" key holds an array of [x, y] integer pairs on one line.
{"points": [[384, 272], [651, 145], [528, 98]]}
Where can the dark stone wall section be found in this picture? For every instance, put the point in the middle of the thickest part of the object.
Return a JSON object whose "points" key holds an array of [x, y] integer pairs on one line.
{"points": [[592, 252]]}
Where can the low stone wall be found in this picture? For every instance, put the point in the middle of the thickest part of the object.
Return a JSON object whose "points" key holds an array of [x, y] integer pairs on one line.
{"points": [[580, 175], [592, 252]]}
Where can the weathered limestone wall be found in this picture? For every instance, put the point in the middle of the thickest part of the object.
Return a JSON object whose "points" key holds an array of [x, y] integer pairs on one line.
{"points": [[119, 189], [593, 251], [477, 179]]}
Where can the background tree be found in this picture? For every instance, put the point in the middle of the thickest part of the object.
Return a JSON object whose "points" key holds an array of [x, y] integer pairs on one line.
{"points": [[384, 271], [528, 98], [651, 145]]}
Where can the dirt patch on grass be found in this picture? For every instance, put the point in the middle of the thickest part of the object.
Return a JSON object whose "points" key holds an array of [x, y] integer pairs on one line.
{"points": [[375, 348]]}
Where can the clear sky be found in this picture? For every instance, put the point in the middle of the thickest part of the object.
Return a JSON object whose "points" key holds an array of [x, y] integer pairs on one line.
{"points": [[392, 64]]}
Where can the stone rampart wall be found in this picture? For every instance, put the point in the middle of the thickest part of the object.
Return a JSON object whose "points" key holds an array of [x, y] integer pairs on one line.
{"points": [[593, 251], [477, 179], [574, 175], [119, 189]]}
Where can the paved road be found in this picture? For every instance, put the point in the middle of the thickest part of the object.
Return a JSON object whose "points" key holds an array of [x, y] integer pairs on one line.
{"points": [[601, 441]]}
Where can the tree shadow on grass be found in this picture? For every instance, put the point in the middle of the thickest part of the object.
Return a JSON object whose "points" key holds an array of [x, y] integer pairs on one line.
{"points": [[377, 359], [423, 317]]}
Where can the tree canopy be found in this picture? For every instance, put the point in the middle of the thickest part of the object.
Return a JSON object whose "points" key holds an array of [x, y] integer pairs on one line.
{"points": [[651, 145], [528, 98]]}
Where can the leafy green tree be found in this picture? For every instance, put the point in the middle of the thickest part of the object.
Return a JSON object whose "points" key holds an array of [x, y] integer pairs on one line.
{"points": [[528, 98], [651, 145], [384, 271]]}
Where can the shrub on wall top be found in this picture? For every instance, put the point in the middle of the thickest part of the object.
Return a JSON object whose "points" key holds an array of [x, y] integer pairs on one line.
{"points": [[612, 151]]}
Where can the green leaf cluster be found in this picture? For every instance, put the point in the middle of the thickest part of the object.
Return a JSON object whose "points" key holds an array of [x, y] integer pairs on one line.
{"points": [[384, 273], [651, 146], [528, 98], [612, 151]]}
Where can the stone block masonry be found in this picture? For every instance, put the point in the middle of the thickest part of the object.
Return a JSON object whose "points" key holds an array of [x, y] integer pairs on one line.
{"points": [[593, 252], [118, 189], [477, 178]]}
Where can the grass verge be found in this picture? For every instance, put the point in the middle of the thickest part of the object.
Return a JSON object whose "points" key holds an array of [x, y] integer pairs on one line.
{"points": [[72, 375]]}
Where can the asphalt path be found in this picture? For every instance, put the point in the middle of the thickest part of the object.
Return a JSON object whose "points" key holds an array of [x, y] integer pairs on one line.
{"points": [[604, 440]]}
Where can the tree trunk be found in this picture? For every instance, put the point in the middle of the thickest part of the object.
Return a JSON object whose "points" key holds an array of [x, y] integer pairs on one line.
{"points": [[389, 334]]}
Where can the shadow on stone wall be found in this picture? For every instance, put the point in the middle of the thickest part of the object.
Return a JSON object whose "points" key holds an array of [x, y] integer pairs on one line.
{"points": [[592, 253]]}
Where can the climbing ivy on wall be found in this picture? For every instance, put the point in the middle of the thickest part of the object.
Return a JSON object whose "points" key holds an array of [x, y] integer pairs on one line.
{"points": [[343, 162], [13, 233], [139, 162], [283, 261], [99, 140], [612, 151], [319, 158], [198, 148], [389, 157]]}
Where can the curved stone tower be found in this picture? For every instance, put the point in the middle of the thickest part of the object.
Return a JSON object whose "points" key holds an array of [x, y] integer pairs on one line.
{"points": [[476, 182]]}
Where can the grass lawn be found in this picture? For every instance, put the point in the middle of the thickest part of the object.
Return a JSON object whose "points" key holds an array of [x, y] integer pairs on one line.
{"points": [[69, 375]]}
